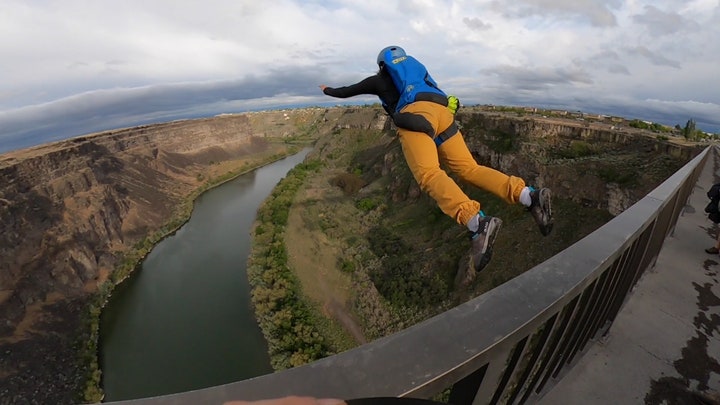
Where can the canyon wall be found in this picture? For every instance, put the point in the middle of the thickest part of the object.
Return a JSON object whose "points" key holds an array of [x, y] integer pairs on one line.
{"points": [[71, 210], [600, 165]]}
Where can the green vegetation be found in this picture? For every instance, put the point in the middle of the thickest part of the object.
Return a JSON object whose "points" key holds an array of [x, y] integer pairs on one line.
{"points": [[305, 133], [618, 175], [399, 244], [650, 126], [577, 149], [368, 204], [346, 266], [399, 279], [502, 142], [690, 132], [288, 322]]}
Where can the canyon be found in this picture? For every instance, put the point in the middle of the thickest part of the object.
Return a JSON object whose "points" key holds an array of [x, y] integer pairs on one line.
{"points": [[77, 215], [72, 212]]}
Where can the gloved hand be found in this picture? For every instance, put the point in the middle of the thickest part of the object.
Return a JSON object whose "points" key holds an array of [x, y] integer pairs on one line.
{"points": [[453, 104]]}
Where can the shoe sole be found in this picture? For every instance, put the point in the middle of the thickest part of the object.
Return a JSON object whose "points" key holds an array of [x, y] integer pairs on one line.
{"points": [[545, 202], [495, 224], [493, 228]]}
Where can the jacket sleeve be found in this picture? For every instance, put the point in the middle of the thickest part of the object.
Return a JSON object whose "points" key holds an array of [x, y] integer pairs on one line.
{"points": [[714, 192], [369, 85]]}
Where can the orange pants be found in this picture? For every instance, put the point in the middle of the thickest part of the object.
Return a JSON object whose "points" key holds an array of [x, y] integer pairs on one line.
{"points": [[424, 157]]}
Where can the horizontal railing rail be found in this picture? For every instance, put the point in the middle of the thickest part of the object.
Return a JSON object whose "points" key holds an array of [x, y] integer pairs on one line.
{"points": [[508, 345]]}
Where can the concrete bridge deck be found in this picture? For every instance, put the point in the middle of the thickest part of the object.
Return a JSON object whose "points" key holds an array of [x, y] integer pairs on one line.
{"points": [[664, 346]]}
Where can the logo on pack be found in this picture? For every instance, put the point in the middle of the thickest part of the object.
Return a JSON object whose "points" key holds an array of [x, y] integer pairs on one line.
{"points": [[398, 60]]}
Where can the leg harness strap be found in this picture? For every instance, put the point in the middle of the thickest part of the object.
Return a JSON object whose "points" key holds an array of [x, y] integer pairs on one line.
{"points": [[446, 134]]}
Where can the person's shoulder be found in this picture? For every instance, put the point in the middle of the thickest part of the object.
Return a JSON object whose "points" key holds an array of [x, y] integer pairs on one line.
{"points": [[383, 75]]}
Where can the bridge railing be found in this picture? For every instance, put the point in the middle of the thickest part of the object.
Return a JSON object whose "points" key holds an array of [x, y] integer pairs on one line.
{"points": [[508, 345]]}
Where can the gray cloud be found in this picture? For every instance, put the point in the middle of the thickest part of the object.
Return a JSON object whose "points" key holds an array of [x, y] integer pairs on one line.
{"points": [[660, 22], [605, 54], [653, 57], [476, 24], [618, 69], [532, 79], [606, 59], [596, 11], [107, 109]]}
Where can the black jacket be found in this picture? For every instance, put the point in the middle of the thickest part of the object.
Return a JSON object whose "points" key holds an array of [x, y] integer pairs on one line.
{"points": [[712, 208], [380, 85]]}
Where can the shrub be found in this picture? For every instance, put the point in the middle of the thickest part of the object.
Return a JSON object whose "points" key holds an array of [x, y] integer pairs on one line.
{"points": [[347, 266], [613, 175], [398, 279], [367, 204], [577, 149], [502, 142]]}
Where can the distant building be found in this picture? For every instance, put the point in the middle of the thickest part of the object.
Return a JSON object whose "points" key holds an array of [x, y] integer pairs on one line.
{"points": [[593, 116]]}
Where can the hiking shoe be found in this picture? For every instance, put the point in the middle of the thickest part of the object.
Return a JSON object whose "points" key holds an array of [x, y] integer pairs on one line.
{"points": [[482, 241], [541, 210]]}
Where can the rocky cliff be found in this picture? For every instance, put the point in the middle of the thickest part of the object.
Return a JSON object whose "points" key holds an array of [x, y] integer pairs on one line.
{"points": [[70, 211], [601, 165], [69, 208]]}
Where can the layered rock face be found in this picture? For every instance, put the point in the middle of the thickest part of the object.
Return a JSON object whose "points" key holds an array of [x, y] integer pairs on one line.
{"points": [[599, 165], [69, 208]]}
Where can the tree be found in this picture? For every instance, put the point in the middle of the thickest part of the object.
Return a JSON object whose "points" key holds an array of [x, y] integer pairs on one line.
{"points": [[689, 130]]}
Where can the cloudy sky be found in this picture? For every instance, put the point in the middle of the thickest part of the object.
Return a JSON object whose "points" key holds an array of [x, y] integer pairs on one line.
{"points": [[73, 67]]}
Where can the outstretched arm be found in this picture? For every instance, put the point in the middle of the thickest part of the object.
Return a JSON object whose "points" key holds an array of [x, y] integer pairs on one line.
{"points": [[369, 85]]}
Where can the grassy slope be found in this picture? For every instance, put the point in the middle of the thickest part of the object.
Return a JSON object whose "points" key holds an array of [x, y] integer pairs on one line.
{"points": [[371, 251], [339, 243]]}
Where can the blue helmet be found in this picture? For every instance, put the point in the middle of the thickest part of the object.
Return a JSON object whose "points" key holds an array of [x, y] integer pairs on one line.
{"points": [[395, 52]]}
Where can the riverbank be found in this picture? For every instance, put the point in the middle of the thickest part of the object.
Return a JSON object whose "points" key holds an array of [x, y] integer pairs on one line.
{"points": [[219, 175]]}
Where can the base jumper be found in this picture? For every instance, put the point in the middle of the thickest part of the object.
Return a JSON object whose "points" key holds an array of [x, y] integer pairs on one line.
{"points": [[429, 135]]}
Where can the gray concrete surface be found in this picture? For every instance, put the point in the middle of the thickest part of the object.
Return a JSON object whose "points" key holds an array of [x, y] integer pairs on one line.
{"points": [[664, 346]]}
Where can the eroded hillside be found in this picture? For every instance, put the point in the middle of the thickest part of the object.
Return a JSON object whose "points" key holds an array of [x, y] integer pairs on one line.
{"points": [[389, 257]]}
